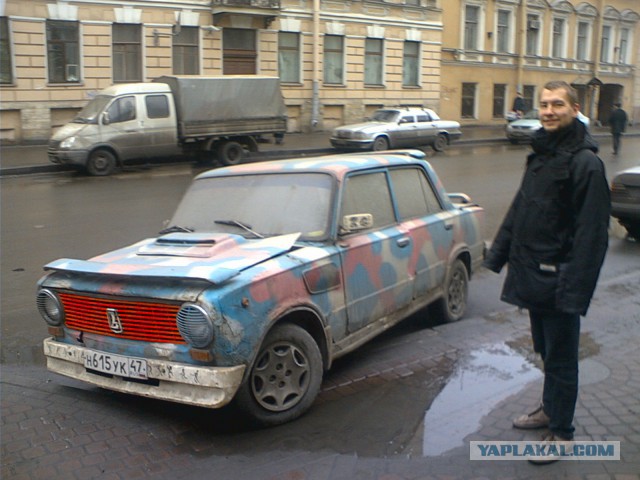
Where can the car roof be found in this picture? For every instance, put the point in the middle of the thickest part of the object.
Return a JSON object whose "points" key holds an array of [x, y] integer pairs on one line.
{"points": [[337, 165]]}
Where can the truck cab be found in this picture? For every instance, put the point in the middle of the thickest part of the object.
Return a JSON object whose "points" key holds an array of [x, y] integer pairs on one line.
{"points": [[122, 122]]}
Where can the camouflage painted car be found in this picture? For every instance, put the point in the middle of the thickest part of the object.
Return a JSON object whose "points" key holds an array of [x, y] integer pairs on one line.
{"points": [[267, 273]]}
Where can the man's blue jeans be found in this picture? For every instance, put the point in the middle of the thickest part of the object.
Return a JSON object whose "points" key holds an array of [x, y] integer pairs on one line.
{"points": [[556, 337]]}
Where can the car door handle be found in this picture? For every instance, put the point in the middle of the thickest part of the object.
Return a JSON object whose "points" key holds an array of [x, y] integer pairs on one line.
{"points": [[403, 242], [448, 225]]}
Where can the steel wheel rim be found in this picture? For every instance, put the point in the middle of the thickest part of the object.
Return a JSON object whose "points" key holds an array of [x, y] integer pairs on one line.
{"points": [[281, 377], [457, 292]]}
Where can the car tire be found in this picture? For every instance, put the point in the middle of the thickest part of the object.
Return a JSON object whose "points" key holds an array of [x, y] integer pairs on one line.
{"points": [[452, 306], [284, 379], [101, 163], [440, 143], [230, 153], [380, 143]]}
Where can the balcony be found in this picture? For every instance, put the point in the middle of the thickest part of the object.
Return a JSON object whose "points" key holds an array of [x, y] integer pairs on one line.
{"points": [[265, 9]]}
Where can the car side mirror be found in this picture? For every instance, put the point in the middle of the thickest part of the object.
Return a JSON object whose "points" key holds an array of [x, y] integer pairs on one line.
{"points": [[460, 199], [355, 223], [105, 118]]}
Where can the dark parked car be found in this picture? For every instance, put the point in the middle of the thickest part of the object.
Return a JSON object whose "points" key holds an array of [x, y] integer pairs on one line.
{"points": [[625, 200], [268, 273]]}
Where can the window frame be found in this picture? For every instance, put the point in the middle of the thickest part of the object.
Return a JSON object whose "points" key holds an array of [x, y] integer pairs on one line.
{"points": [[7, 75], [285, 53], [533, 36], [339, 54], [503, 32], [184, 48], [52, 52], [471, 27], [470, 101], [135, 50], [370, 59], [409, 72], [558, 37], [583, 41], [499, 102]]}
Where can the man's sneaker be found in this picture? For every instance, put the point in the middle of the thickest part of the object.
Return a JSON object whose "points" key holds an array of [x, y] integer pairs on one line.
{"points": [[554, 448], [535, 419]]}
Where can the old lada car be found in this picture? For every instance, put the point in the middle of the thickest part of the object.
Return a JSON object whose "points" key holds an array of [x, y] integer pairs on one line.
{"points": [[266, 274], [397, 128]]}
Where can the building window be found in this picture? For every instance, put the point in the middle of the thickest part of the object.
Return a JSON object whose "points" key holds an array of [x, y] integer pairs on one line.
{"points": [[410, 64], [605, 44], [239, 56], [186, 52], [6, 67], [529, 95], [533, 34], [499, 100], [504, 20], [127, 52], [558, 38], [63, 51], [624, 46], [468, 100], [373, 61], [471, 27], [289, 57], [333, 59], [582, 47]]}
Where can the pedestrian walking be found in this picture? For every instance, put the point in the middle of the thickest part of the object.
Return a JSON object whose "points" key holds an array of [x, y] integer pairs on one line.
{"points": [[518, 105], [554, 238], [618, 124]]}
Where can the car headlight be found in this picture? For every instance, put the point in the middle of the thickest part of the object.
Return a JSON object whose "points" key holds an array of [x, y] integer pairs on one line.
{"points": [[361, 136], [50, 307], [68, 142], [195, 325]]}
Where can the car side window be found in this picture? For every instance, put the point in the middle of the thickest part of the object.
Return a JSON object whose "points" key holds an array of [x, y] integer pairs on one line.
{"points": [[407, 119], [122, 110], [157, 106], [413, 193], [368, 194], [423, 118]]}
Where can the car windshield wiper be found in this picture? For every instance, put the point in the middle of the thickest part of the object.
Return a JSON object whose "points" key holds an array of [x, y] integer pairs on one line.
{"points": [[174, 229], [236, 223]]}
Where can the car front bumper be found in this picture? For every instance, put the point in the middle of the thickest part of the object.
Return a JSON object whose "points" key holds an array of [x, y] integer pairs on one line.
{"points": [[210, 387], [351, 144], [68, 157]]}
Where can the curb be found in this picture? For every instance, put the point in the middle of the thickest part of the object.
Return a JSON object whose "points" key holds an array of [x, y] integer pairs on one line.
{"points": [[269, 155]]}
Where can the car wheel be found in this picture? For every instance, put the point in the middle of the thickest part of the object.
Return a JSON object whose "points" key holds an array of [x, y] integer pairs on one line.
{"points": [[440, 143], [452, 306], [101, 163], [230, 153], [285, 378], [380, 143], [633, 230]]}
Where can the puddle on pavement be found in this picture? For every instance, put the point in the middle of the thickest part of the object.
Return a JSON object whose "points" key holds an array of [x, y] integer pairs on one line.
{"points": [[482, 380]]}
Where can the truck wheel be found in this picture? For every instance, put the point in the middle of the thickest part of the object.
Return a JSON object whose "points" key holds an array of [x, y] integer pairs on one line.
{"points": [[440, 143], [380, 143], [453, 304], [285, 377], [230, 153], [101, 163]]}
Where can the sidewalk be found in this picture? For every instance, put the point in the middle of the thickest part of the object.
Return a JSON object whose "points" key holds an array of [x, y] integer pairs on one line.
{"points": [[27, 159]]}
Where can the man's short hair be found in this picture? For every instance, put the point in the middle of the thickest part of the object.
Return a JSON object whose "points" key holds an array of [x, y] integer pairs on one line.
{"points": [[557, 84], [617, 104]]}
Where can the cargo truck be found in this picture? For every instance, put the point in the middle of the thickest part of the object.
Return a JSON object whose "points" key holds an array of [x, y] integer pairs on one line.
{"points": [[213, 118]]}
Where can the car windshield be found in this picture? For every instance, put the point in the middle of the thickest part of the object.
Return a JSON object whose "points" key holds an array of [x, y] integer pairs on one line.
{"points": [[89, 114], [259, 205], [385, 116]]}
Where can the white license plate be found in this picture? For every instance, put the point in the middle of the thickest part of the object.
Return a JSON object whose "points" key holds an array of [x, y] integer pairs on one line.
{"points": [[116, 364]]}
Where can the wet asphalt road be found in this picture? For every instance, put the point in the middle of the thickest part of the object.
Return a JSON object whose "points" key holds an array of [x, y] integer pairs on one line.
{"points": [[46, 217]]}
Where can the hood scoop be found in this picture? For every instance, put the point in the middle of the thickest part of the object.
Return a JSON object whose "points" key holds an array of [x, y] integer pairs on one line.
{"points": [[191, 245]]}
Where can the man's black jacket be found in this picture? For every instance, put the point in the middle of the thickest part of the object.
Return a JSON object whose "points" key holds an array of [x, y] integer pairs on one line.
{"points": [[555, 234]]}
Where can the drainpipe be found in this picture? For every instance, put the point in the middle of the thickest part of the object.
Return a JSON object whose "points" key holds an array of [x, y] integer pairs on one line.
{"points": [[597, 49], [523, 45], [315, 100]]}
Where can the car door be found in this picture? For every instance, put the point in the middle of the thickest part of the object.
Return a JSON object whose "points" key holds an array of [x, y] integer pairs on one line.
{"points": [[429, 227], [160, 126], [405, 133], [375, 256], [122, 127], [427, 130]]}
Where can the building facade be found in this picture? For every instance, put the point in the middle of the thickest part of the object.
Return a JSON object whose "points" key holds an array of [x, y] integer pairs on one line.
{"points": [[337, 60], [494, 48]]}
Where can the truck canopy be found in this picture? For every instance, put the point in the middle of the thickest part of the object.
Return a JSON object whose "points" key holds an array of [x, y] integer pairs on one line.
{"points": [[227, 105]]}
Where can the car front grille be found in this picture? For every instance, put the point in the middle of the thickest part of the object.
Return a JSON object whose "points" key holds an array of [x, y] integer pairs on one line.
{"points": [[122, 318], [343, 134]]}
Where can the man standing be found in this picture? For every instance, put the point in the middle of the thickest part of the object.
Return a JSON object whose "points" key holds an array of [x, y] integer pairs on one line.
{"points": [[554, 238], [518, 104], [618, 124]]}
